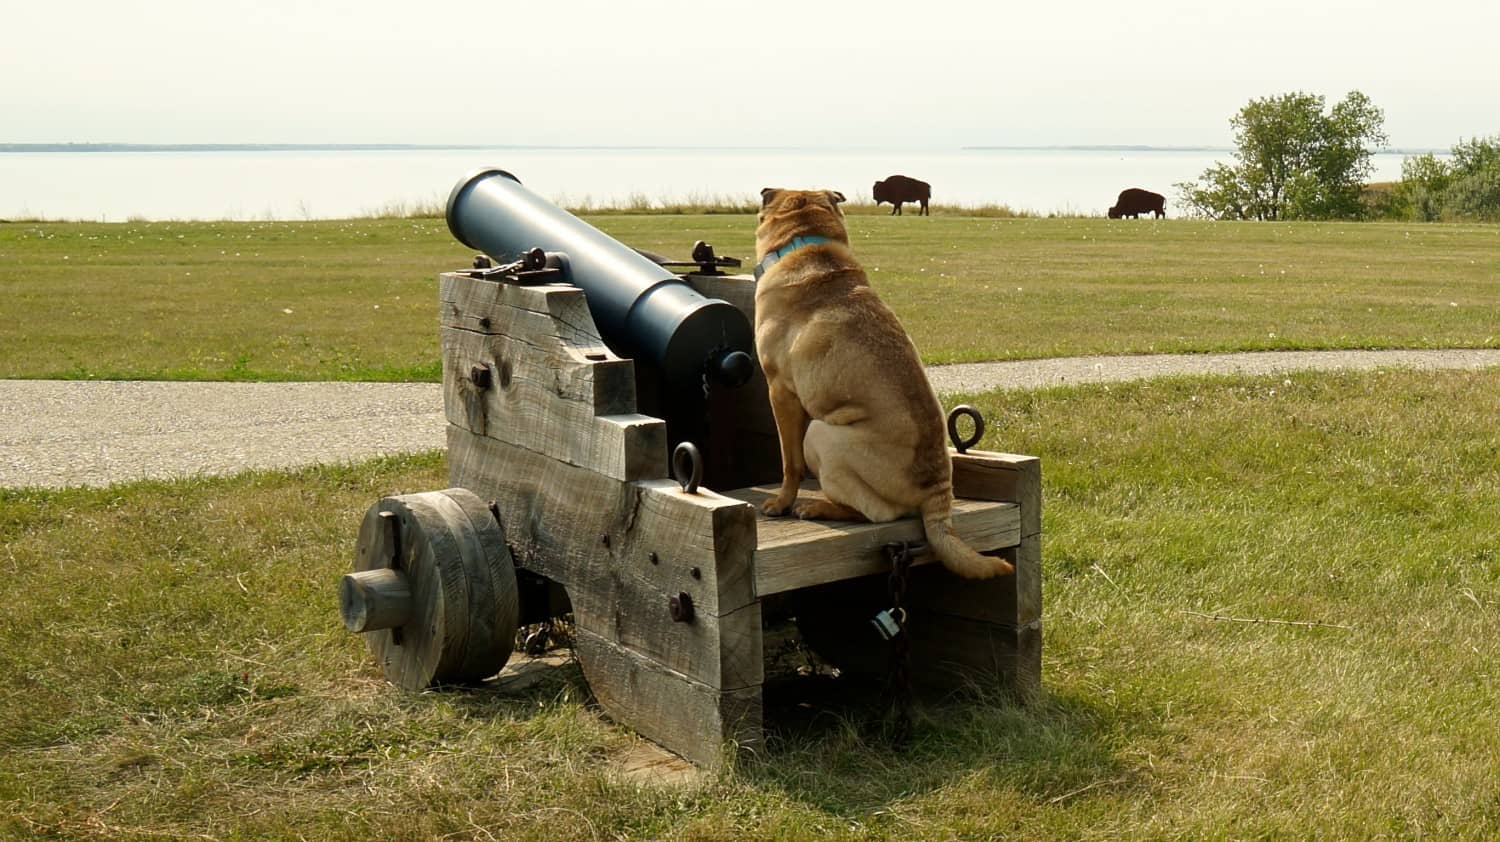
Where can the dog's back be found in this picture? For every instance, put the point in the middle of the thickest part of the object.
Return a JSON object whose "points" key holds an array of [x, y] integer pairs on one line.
{"points": [[851, 398]]}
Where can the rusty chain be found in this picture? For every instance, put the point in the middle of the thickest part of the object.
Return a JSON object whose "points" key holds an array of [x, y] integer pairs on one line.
{"points": [[898, 720]]}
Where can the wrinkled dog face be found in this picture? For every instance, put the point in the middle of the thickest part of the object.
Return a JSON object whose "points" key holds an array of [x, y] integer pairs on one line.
{"points": [[785, 214], [774, 201]]}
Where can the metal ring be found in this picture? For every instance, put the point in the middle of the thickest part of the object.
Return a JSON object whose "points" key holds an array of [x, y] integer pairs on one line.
{"points": [[962, 445], [687, 466]]}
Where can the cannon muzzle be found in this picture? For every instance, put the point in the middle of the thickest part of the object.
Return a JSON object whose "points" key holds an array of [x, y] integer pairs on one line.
{"points": [[642, 310]]}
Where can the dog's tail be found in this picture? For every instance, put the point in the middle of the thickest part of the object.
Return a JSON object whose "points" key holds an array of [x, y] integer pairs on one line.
{"points": [[962, 559]]}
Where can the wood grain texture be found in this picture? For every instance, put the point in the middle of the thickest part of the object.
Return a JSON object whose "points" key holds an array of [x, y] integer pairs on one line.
{"points": [[579, 411], [982, 635], [596, 536], [462, 609], [489, 573], [738, 290], [429, 646], [374, 599], [957, 653], [548, 310], [683, 715], [983, 475], [793, 553], [1013, 600], [948, 651]]}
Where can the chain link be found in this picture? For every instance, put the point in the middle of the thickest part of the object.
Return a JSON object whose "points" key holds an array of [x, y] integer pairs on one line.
{"points": [[898, 683]]}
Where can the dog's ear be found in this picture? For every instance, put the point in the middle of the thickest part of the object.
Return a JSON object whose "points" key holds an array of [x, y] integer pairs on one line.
{"points": [[768, 195], [835, 197]]}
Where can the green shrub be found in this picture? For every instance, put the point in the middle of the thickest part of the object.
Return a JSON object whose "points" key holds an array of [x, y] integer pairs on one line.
{"points": [[1467, 187]]}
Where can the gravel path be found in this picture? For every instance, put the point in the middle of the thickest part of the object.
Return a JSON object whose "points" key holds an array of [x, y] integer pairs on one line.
{"points": [[1069, 371], [67, 432], [61, 433]]}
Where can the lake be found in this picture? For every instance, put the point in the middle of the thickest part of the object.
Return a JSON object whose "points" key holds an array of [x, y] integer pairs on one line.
{"points": [[115, 186]]}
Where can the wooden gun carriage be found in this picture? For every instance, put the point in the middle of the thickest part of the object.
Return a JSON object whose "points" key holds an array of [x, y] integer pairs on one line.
{"points": [[563, 500]]}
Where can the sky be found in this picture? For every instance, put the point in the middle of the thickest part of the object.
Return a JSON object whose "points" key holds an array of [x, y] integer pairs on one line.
{"points": [[919, 74]]}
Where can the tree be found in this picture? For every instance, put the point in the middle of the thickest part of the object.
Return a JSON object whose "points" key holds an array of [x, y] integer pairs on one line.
{"points": [[1467, 186], [1475, 190], [1292, 161], [1423, 188]]}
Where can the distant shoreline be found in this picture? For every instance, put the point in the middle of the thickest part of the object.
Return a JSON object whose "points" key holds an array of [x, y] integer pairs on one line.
{"points": [[432, 147], [1107, 147], [252, 147], [1140, 148]]}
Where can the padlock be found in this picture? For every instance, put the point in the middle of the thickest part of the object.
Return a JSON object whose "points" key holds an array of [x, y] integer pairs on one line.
{"points": [[887, 624]]}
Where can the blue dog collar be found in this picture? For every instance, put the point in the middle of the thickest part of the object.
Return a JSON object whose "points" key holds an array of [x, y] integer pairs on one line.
{"points": [[771, 257]]}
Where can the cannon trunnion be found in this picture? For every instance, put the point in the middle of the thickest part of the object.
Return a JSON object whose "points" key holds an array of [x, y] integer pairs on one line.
{"points": [[567, 445]]}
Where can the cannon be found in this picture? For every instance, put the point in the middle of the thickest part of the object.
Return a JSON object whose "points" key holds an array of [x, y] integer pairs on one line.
{"points": [[609, 442], [641, 308]]}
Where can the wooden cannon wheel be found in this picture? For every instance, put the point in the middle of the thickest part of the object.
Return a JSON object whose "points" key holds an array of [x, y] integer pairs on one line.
{"points": [[433, 589]]}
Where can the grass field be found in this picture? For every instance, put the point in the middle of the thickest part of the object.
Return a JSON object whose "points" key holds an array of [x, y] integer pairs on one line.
{"points": [[1272, 605], [355, 299], [172, 665]]}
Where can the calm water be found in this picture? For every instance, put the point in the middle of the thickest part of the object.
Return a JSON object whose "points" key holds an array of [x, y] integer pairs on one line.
{"points": [[116, 186]]}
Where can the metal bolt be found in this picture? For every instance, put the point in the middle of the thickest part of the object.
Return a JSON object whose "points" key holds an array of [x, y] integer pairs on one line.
{"points": [[697, 574], [480, 376], [681, 608], [604, 539], [654, 558]]}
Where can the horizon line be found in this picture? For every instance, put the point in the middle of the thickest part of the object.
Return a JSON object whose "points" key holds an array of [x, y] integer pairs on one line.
{"points": [[110, 146]]}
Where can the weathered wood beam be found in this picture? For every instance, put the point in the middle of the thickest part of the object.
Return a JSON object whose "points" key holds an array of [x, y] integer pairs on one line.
{"points": [[793, 553]]}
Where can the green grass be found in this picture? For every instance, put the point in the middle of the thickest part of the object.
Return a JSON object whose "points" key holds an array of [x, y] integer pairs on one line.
{"points": [[356, 299], [171, 662]]}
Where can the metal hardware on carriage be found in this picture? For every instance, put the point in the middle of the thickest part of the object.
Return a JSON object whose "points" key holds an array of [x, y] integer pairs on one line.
{"points": [[962, 445], [687, 466], [482, 376], [680, 607], [704, 260], [891, 624], [642, 310], [533, 267], [892, 621]]}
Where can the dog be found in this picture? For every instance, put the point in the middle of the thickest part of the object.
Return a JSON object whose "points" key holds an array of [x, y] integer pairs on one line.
{"points": [[848, 391]]}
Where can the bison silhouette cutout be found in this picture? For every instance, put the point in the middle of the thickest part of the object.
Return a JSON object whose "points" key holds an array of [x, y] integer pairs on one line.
{"points": [[1134, 201], [898, 189]]}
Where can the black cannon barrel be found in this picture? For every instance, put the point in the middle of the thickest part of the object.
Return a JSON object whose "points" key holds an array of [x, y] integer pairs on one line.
{"points": [[643, 311]]}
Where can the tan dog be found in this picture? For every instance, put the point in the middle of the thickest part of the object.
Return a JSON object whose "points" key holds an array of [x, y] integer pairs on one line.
{"points": [[851, 399]]}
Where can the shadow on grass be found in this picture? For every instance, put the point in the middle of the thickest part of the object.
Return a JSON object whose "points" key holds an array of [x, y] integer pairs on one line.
{"points": [[828, 744]]}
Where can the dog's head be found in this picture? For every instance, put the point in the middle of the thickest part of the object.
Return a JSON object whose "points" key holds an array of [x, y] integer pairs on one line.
{"points": [[785, 214]]}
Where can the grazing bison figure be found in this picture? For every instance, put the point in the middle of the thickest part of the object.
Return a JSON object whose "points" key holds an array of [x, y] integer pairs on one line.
{"points": [[899, 189], [1134, 201]]}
